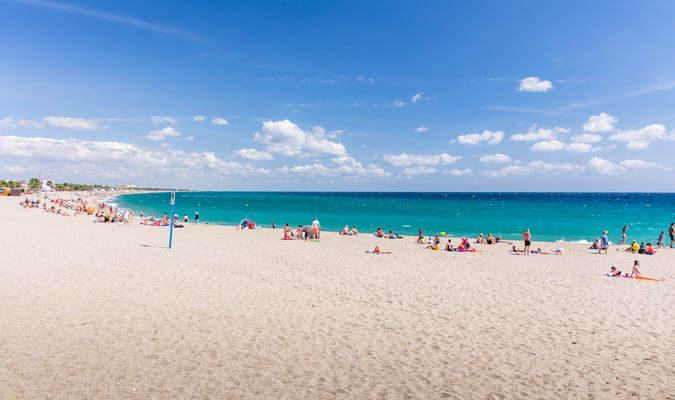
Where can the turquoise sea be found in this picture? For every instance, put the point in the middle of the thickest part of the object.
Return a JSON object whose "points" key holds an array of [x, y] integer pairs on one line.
{"points": [[566, 217]]}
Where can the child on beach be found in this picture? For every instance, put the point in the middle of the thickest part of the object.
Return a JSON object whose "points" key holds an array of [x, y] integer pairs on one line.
{"points": [[660, 240]]}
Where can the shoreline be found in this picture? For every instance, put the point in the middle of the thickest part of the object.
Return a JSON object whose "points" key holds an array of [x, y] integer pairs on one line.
{"points": [[504, 224]]}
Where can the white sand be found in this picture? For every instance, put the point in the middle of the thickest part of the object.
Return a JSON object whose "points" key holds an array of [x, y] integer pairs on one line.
{"points": [[106, 311]]}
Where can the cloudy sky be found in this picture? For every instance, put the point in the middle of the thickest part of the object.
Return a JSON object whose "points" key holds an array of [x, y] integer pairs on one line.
{"points": [[362, 95]]}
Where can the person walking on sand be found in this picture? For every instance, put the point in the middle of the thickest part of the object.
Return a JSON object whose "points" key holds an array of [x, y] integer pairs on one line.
{"points": [[623, 235], [527, 238], [671, 232], [604, 243]]}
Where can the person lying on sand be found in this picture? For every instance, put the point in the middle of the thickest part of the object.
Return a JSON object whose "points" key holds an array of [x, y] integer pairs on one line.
{"points": [[614, 272], [378, 251]]}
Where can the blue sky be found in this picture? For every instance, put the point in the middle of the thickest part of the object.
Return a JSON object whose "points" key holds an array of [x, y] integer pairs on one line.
{"points": [[401, 96]]}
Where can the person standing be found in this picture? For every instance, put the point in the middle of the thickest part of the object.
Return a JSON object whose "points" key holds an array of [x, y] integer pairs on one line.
{"points": [[604, 243], [196, 217], [623, 235], [671, 232], [527, 238], [315, 229], [185, 218]]}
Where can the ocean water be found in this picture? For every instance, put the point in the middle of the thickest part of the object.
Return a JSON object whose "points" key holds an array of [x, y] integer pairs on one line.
{"points": [[566, 217]]}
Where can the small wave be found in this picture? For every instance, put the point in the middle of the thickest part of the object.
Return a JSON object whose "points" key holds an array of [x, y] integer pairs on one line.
{"points": [[584, 241], [406, 226]]}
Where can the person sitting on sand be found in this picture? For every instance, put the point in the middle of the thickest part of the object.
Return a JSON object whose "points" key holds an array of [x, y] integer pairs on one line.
{"points": [[595, 245], [433, 247], [490, 239], [448, 246], [649, 249], [635, 273], [420, 238], [345, 230], [354, 231], [379, 232], [480, 239], [634, 247]]}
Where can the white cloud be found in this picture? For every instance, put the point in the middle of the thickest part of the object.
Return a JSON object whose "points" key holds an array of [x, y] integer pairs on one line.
{"points": [[118, 156], [161, 134], [398, 103], [349, 166], [412, 159], [535, 167], [495, 158], [604, 167], [417, 97], [637, 144], [74, 123], [600, 123], [534, 84], [55, 122], [641, 138], [532, 135], [9, 122], [199, 118], [410, 172], [476, 138], [422, 129], [220, 121], [315, 169], [561, 129], [579, 148], [253, 154], [637, 164], [458, 172], [548, 145], [163, 120], [287, 139], [587, 138], [511, 170]]}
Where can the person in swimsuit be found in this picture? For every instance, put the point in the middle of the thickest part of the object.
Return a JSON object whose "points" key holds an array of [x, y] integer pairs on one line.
{"points": [[671, 232], [660, 240], [527, 238], [378, 251], [623, 235]]}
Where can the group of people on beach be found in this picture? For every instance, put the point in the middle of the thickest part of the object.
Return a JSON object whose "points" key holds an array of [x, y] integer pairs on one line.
{"points": [[306, 232], [349, 232], [379, 232]]}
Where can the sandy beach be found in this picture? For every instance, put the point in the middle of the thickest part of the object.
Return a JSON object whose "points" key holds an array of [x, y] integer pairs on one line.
{"points": [[107, 311]]}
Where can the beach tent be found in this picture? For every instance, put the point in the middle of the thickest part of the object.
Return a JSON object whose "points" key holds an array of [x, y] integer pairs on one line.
{"points": [[244, 223], [308, 230], [90, 210]]}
